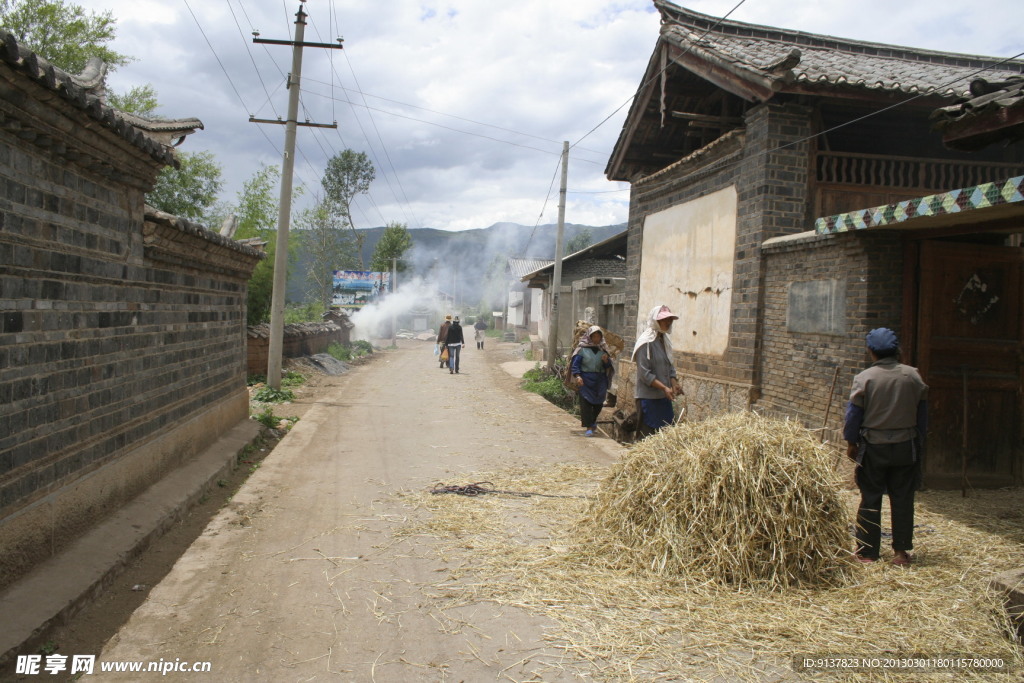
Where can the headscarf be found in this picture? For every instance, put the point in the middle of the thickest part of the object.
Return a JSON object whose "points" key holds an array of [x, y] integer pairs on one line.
{"points": [[586, 343], [649, 332]]}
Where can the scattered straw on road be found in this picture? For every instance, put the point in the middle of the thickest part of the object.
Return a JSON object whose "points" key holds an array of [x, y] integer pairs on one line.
{"points": [[621, 619]]}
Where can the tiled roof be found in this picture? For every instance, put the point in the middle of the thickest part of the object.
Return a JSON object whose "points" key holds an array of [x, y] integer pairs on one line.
{"points": [[519, 267], [83, 92], [784, 60], [994, 112], [195, 229]]}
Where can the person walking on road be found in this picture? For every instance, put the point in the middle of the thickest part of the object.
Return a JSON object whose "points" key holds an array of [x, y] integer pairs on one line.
{"points": [[656, 382], [885, 426], [442, 339], [454, 342], [480, 326], [591, 369]]}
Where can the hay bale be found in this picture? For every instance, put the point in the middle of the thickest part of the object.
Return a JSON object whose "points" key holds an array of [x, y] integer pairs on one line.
{"points": [[738, 499]]}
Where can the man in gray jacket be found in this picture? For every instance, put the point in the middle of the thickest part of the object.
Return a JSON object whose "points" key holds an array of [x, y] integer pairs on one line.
{"points": [[886, 421]]}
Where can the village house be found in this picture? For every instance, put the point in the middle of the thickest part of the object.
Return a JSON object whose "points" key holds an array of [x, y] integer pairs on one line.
{"points": [[592, 289], [122, 329], [753, 153], [524, 306]]}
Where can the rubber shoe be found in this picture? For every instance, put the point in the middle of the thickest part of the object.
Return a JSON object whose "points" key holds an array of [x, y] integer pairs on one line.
{"points": [[588, 433], [902, 559]]}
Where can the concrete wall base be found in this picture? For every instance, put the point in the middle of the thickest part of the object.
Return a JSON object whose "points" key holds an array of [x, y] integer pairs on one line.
{"points": [[45, 526], [59, 587]]}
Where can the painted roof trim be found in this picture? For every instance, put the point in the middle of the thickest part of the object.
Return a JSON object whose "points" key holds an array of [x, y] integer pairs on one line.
{"points": [[901, 214]]}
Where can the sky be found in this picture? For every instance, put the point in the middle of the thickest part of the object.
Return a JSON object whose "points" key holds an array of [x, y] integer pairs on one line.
{"points": [[462, 105]]}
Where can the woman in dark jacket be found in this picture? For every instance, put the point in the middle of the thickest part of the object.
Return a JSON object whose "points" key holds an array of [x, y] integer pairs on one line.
{"points": [[591, 369]]}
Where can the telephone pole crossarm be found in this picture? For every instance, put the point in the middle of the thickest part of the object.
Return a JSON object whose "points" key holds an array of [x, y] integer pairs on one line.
{"points": [[293, 43], [282, 122]]}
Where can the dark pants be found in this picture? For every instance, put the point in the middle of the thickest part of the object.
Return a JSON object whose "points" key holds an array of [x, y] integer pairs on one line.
{"points": [[589, 413], [453, 357], [886, 468]]}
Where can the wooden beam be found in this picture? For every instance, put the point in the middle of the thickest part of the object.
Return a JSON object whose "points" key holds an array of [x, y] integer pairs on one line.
{"points": [[707, 120], [753, 89]]}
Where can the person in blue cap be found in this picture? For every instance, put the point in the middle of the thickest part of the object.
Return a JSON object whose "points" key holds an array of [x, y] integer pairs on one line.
{"points": [[886, 422]]}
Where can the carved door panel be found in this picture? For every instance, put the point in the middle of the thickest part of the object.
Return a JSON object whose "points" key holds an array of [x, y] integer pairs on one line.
{"points": [[969, 351]]}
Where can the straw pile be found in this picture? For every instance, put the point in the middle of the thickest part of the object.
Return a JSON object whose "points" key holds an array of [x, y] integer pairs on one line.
{"points": [[738, 499], [615, 623]]}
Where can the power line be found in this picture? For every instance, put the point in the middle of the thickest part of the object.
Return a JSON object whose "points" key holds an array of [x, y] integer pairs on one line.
{"points": [[651, 79], [252, 59], [460, 118], [454, 130], [543, 208], [387, 156]]}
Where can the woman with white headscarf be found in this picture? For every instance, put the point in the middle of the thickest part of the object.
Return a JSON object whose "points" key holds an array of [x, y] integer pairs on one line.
{"points": [[591, 369], [656, 382]]}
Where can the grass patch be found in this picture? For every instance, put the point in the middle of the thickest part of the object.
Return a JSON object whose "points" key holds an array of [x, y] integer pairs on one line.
{"points": [[347, 352], [272, 395], [268, 419], [548, 383]]}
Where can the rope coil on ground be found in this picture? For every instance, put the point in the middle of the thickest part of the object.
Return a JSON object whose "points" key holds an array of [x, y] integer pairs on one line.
{"points": [[481, 488]]}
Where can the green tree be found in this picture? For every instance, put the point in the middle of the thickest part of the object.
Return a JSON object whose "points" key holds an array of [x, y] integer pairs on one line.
{"points": [[189, 191], [140, 100], [348, 174], [580, 241], [328, 247], [257, 217], [393, 244], [62, 32]]}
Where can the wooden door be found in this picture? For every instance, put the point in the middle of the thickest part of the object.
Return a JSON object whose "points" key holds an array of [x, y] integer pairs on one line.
{"points": [[970, 352]]}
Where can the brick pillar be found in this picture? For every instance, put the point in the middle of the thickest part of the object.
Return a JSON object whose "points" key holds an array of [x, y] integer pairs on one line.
{"points": [[773, 197]]}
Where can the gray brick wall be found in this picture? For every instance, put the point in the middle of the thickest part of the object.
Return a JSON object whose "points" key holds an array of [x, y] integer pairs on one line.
{"points": [[798, 368], [768, 165], [113, 330]]}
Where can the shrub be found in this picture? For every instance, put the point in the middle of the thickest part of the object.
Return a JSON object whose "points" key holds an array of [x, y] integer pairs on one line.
{"points": [[272, 395], [271, 421], [548, 384], [304, 313], [346, 352], [267, 418], [340, 351], [292, 379]]}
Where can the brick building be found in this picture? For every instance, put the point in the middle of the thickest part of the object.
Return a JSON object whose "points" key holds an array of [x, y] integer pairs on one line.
{"points": [[592, 286], [122, 329], [739, 138]]}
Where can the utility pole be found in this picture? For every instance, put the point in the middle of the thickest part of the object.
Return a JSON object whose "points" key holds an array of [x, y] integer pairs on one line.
{"points": [[285, 205], [556, 284]]}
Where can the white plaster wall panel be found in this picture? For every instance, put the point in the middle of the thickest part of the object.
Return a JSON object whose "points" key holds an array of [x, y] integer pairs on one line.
{"points": [[687, 264]]}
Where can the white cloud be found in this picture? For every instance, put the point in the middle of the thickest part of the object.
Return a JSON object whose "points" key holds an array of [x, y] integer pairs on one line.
{"points": [[549, 69]]}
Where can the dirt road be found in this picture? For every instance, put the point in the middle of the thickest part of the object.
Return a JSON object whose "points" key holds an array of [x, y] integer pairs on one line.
{"points": [[314, 572]]}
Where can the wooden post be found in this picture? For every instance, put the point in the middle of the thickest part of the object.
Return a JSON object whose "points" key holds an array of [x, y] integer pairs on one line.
{"points": [[556, 283], [828, 404]]}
